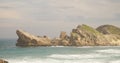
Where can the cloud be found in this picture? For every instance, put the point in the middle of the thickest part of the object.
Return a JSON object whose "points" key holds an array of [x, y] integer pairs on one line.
{"points": [[9, 10], [9, 14], [87, 8], [7, 25], [61, 9], [53, 10]]}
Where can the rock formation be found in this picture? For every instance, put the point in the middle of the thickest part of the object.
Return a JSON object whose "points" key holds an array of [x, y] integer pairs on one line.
{"points": [[85, 35], [111, 33], [63, 35], [63, 40], [109, 29], [26, 39], [3, 61], [82, 35], [59, 42]]}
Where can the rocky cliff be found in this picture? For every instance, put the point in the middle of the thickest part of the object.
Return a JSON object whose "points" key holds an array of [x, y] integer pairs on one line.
{"points": [[26, 39], [111, 33], [85, 35], [82, 35]]}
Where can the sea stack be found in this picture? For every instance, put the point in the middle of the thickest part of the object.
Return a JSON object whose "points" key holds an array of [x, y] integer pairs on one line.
{"points": [[27, 39], [3, 61]]}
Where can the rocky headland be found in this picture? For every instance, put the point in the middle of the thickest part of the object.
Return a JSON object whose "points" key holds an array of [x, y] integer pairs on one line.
{"points": [[27, 39], [111, 33], [82, 35]]}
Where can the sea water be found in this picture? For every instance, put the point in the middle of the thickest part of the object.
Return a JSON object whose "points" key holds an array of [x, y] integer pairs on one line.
{"points": [[60, 54]]}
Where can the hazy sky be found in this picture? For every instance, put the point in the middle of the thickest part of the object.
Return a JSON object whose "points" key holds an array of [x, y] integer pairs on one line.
{"points": [[50, 17]]}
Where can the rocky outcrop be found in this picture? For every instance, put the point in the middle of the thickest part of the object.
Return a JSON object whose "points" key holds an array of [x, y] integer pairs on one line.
{"points": [[26, 39], [59, 42], [82, 35], [85, 35], [114, 40], [3, 61], [63, 40], [111, 33], [63, 35]]}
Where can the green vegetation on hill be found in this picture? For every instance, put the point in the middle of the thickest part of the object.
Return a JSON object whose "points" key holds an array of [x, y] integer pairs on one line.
{"points": [[89, 29], [109, 29]]}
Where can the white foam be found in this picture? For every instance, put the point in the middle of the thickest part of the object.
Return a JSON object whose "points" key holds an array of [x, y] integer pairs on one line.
{"points": [[70, 58], [38, 60], [57, 46], [109, 51], [34, 60], [75, 56], [86, 47], [116, 61]]}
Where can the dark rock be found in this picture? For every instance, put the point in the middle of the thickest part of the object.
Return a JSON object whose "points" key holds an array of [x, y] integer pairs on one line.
{"points": [[3, 61]]}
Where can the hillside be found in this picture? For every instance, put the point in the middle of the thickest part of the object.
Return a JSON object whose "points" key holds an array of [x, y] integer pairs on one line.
{"points": [[109, 29]]}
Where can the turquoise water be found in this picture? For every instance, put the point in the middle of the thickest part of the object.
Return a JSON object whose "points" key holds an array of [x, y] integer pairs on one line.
{"points": [[60, 54]]}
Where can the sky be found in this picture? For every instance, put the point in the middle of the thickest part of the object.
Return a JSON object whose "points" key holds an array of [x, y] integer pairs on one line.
{"points": [[50, 17]]}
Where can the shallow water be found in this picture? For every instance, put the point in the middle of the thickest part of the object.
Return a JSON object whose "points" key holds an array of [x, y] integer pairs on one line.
{"points": [[86, 54]]}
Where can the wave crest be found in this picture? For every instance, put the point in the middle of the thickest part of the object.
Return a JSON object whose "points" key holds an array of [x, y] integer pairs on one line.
{"points": [[75, 56]]}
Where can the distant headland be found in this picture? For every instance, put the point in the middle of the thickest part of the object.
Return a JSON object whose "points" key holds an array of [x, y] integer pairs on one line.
{"points": [[82, 35]]}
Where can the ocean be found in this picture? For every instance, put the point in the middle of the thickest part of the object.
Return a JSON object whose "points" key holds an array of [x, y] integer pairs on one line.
{"points": [[59, 54]]}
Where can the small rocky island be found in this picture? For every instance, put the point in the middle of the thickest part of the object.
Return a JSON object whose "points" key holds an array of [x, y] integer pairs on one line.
{"points": [[82, 35]]}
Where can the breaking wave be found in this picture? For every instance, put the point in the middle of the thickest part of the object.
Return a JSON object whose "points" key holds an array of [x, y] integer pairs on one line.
{"points": [[76, 56], [52, 60], [109, 51]]}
